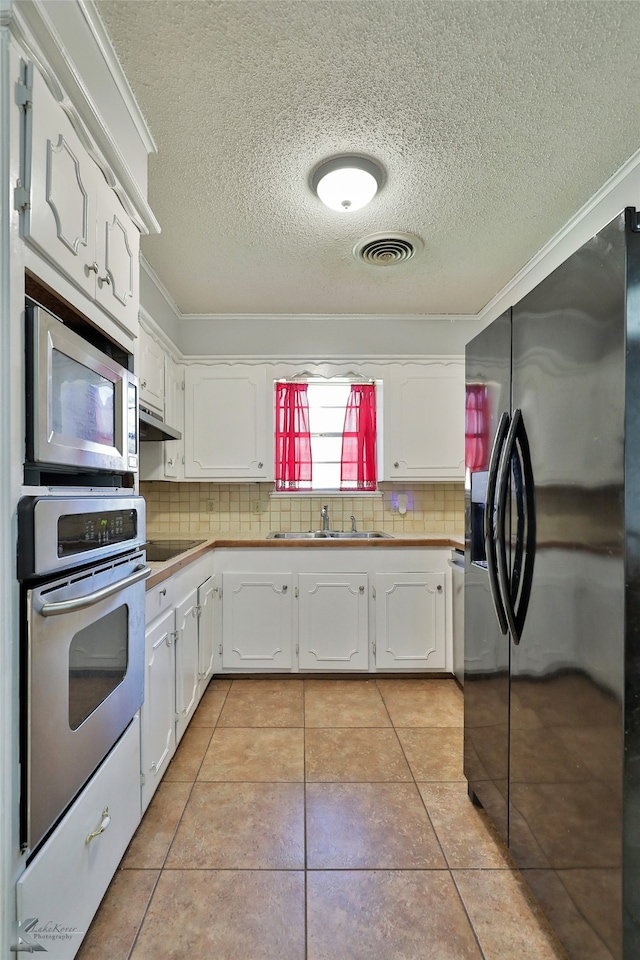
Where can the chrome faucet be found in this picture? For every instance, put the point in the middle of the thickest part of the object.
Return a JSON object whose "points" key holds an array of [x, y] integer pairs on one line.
{"points": [[353, 524], [324, 513]]}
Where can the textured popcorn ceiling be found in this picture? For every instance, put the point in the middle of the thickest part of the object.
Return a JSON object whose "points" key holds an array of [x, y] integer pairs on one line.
{"points": [[495, 123]]}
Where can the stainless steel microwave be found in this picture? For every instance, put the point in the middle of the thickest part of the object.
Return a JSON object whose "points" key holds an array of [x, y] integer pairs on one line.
{"points": [[82, 405]]}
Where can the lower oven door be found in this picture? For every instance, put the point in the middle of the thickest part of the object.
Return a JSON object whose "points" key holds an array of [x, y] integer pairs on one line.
{"points": [[84, 681]]}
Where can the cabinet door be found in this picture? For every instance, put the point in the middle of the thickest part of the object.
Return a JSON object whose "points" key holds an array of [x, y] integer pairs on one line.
{"points": [[256, 621], [158, 714], [117, 249], [423, 422], [151, 366], [226, 418], [61, 219], [333, 629], [187, 661], [207, 592], [174, 415], [410, 621]]}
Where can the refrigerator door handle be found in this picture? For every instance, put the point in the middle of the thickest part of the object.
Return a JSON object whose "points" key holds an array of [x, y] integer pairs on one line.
{"points": [[529, 550], [516, 594], [490, 535]]}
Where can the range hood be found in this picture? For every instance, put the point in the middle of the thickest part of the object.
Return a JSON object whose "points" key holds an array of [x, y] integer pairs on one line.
{"points": [[152, 427]]}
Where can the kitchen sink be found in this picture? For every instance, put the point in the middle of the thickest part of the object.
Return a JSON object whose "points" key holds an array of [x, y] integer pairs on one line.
{"points": [[160, 550], [329, 535]]}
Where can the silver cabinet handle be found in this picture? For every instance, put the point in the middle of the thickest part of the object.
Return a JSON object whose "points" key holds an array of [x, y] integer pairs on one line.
{"points": [[92, 268], [284, 588], [163, 592], [260, 464], [106, 279], [80, 603], [361, 589], [143, 384], [106, 820], [396, 464], [439, 588]]}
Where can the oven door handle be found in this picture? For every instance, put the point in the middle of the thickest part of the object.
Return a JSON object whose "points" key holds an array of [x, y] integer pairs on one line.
{"points": [[55, 608]]}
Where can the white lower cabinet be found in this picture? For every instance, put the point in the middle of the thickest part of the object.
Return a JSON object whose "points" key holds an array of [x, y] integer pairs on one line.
{"points": [[377, 609], [179, 656], [61, 889], [257, 626], [158, 730], [410, 621], [333, 625]]}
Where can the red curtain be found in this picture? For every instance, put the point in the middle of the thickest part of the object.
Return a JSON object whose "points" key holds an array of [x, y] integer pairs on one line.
{"points": [[476, 427], [358, 464], [293, 441]]}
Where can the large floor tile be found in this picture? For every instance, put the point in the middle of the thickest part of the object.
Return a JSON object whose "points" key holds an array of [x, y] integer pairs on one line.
{"points": [[152, 839], [224, 915], [344, 703], [434, 753], [423, 703], [386, 915], [264, 703], [369, 826], [116, 924], [211, 704], [266, 754], [504, 917], [352, 754], [189, 755], [241, 826], [465, 833]]}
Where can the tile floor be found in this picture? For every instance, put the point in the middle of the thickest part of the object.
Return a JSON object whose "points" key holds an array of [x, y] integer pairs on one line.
{"points": [[318, 820]]}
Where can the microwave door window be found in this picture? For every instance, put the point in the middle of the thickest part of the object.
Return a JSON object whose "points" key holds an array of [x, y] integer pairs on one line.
{"points": [[83, 403]]}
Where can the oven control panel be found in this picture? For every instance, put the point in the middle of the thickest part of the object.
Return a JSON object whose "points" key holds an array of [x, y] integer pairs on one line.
{"points": [[56, 533]]}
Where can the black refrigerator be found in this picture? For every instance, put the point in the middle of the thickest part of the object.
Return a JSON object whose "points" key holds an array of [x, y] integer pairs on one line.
{"points": [[552, 590]]}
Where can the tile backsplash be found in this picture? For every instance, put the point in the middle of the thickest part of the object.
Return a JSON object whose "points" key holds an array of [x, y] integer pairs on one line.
{"points": [[184, 509]]}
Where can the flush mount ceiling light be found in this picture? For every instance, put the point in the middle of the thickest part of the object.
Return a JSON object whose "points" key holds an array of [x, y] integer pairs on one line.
{"points": [[347, 183]]}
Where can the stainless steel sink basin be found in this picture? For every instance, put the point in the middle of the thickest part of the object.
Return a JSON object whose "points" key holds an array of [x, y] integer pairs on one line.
{"points": [[328, 535]]}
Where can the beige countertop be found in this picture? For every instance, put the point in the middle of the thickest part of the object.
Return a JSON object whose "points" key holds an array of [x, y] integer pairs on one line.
{"points": [[161, 571]]}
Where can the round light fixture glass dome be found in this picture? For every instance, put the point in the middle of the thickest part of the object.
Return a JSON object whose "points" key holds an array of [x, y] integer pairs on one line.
{"points": [[347, 183]]}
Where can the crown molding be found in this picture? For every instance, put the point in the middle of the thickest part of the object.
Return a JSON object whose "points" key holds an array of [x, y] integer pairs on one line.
{"points": [[103, 41]]}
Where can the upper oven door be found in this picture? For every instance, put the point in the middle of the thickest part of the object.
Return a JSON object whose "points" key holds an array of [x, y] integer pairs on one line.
{"points": [[82, 406]]}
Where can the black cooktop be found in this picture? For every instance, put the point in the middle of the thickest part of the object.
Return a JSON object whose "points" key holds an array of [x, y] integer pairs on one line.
{"points": [[160, 550]]}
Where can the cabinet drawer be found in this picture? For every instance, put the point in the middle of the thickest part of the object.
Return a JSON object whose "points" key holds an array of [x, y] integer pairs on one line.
{"points": [[63, 886], [159, 599]]}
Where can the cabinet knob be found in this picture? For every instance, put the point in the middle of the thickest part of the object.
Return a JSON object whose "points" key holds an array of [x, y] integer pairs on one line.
{"points": [[260, 465], [106, 279], [396, 464], [143, 384], [361, 589], [439, 588], [92, 268], [163, 592], [284, 588]]}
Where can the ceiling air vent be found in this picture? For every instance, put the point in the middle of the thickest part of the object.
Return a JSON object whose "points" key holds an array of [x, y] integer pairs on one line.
{"points": [[386, 249]]}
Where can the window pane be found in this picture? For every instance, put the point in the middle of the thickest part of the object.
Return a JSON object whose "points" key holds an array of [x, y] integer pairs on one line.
{"points": [[325, 448], [326, 476], [326, 419]]}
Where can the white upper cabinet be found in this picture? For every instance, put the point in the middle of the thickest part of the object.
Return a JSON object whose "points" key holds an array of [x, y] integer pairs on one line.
{"points": [[227, 423], [72, 217], [151, 372], [423, 421]]}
